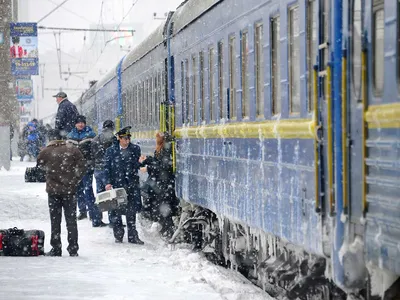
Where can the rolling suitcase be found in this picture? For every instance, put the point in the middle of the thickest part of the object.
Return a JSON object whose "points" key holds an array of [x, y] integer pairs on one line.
{"points": [[20, 242]]}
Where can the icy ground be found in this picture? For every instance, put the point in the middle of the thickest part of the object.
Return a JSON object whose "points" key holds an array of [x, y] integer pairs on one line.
{"points": [[104, 270]]}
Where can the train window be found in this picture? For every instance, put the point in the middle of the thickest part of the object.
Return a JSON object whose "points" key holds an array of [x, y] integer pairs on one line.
{"points": [[232, 79], [183, 91], [259, 68], [398, 43], [244, 53], [148, 110], [378, 50], [275, 65], [312, 46], [294, 59], [187, 91], [202, 95], [152, 101], [356, 48], [326, 20], [221, 79], [134, 100], [211, 83], [194, 88]]}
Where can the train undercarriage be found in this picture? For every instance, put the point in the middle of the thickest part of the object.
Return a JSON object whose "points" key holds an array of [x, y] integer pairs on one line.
{"points": [[279, 268]]}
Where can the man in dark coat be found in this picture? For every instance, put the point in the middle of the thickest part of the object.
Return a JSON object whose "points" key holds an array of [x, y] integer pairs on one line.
{"points": [[121, 171], [83, 136], [99, 146], [65, 166], [66, 114]]}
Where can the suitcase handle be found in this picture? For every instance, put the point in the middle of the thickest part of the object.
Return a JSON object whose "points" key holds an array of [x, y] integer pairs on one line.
{"points": [[16, 231]]}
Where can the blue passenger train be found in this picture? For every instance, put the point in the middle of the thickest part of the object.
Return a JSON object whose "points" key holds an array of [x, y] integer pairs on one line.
{"points": [[286, 118]]}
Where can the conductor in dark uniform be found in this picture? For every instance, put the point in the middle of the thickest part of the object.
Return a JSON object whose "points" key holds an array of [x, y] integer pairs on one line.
{"points": [[121, 171]]}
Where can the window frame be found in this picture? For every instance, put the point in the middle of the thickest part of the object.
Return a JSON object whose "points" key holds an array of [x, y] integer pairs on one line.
{"points": [[211, 84], [276, 106], [220, 55], [312, 51], [259, 69], [232, 78], [291, 59], [244, 74], [201, 87], [377, 6]]}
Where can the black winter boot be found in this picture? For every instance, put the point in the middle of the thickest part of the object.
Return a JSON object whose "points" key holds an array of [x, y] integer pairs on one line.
{"points": [[54, 252], [82, 216]]}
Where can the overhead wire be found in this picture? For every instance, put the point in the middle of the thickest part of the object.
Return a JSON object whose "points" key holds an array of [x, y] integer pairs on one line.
{"points": [[118, 27]]}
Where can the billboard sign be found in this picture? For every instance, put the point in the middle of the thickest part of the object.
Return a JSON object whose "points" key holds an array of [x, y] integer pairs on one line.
{"points": [[24, 49], [24, 89]]}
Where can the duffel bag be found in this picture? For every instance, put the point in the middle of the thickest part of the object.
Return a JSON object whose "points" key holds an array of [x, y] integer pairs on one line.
{"points": [[35, 174], [20, 242]]}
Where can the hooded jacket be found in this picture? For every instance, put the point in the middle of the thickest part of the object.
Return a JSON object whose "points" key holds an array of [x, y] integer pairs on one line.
{"points": [[64, 166]]}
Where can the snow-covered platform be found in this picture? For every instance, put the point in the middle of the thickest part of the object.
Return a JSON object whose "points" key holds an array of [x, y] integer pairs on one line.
{"points": [[104, 270]]}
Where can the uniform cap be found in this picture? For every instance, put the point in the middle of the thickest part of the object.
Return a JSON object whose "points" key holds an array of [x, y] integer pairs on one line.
{"points": [[60, 95], [124, 131]]}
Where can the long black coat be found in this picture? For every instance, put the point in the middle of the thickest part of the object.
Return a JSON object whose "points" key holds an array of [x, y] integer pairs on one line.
{"points": [[66, 116], [161, 180], [121, 168]]}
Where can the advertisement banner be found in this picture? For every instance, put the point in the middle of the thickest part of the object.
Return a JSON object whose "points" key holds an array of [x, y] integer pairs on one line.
{"points": [[24, 89], [24, 49]]}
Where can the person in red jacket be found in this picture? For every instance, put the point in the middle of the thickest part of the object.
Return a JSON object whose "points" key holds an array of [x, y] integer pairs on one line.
{"points": [[16, 51]]}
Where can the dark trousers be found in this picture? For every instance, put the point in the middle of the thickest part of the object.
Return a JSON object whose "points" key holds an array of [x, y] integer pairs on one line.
{"points": [[56, 204], [86, 199], [133, 206]]}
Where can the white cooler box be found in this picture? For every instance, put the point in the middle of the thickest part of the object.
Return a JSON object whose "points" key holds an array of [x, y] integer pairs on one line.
{"points": [[112, 199]]}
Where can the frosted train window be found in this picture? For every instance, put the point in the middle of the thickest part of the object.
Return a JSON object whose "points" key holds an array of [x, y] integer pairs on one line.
{"points": [[134, 105], [187, 91], [221, 79], [194, 88], [294, 59], [275, 65], [356, 48], [202, 112], [211, 83], [183, 92], [378, 51], [259, 66], [398, 43], [232, 78], [312, 46], [244, 53]]}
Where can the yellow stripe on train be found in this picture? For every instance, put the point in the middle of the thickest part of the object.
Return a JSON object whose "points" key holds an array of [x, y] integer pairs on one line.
{"points": [[285, 129], [383, 116]]}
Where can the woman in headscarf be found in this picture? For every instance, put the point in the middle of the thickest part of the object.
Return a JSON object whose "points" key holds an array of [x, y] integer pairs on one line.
{"points": [[162, 203]]}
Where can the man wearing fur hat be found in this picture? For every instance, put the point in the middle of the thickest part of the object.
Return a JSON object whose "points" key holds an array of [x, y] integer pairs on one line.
{"points": [[65, 166], [121, 171]]}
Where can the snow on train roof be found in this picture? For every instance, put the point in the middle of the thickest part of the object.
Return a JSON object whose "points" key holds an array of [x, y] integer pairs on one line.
{"points": [[154, 39], [189, 11], [106, 78]]}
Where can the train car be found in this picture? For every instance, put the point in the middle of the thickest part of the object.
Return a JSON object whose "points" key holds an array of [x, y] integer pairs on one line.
{"points": [[286, 140], [282, 135], [143, 88]]}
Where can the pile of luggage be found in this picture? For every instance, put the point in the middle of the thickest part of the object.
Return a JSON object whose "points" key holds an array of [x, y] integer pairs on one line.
{"points": [[20, 242]]}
